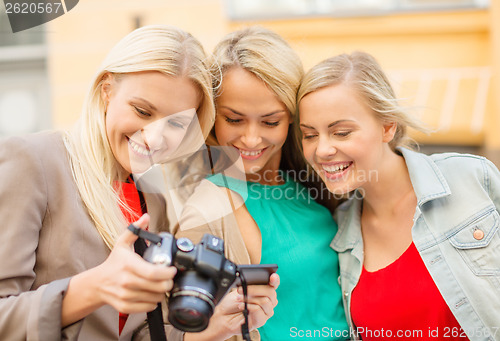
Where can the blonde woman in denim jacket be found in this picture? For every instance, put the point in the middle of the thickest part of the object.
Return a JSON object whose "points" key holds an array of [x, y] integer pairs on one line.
{"points": [[419, 237]]}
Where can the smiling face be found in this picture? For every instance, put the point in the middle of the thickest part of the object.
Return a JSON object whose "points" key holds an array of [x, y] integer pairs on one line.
{"points": [[252, 119], [147, 117], [342, 139]]}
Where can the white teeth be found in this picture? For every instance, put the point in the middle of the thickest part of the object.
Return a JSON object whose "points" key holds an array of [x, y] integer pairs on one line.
{"points": [[250, 153], [335, 168], [138, 149]]}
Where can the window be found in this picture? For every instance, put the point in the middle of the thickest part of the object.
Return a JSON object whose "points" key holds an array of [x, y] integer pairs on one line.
{"points": [[24, 94], [279, 9]]}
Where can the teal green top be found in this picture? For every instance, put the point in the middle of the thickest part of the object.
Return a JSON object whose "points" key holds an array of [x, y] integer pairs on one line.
{"points": [[296, 234]]}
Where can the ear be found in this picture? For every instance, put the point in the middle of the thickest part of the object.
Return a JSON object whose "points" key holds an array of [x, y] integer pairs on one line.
{"points": [[106, 86], [389, 130]]}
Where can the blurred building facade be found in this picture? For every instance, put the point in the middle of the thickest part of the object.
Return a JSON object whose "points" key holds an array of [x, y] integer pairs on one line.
{"points": [[443, 56]]}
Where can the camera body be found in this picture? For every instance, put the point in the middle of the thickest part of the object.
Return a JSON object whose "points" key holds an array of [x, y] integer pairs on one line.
{"points": [[203, 277]]}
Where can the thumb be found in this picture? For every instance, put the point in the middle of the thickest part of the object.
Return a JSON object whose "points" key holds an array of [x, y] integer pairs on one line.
{"points": [[127, 238], [143, 221], [274, 281]]}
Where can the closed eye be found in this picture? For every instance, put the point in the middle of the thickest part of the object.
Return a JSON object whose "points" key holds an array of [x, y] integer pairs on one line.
{"points": [[142, 112], [176, 124], [308, 136], [230, 120]]}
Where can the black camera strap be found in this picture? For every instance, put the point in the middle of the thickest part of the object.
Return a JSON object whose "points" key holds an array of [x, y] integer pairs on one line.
{"points": [[155, 323], [155, 317], [245, 332]]}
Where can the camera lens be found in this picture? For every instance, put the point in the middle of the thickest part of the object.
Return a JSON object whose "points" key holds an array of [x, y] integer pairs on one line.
{"points": [[190, 314], [191, 302]]}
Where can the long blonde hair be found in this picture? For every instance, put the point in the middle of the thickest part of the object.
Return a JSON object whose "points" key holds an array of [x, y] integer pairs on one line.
{"points": [[165, 49], [365, 74]]}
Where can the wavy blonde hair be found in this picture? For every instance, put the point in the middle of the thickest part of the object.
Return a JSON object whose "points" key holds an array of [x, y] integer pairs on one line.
{"points": [[165, 49], [364, 73]]}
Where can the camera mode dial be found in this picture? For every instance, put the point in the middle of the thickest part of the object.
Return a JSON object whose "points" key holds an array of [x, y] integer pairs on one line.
{"points": [[185, 244]]}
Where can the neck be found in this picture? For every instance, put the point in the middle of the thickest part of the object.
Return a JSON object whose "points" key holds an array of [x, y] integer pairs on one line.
{"points": [[122, 173], [383, 196]]}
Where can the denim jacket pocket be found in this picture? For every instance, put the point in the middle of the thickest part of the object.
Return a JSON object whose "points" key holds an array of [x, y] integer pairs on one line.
{"points": [[478, 243]]}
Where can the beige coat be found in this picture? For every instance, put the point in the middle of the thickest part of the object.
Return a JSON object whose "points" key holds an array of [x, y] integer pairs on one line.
{"points": [[47, 236]]}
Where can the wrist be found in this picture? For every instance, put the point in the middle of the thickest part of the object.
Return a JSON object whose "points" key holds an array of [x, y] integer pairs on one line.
{"points": [[81, 298], [92, 287]]}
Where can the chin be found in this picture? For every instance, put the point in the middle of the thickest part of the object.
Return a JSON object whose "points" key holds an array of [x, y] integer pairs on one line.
{"points": [[336, 188], [139, 167], [251, 170]]}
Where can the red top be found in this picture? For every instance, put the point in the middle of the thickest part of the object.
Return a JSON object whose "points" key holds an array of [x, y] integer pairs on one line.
{"points": [[401, 301], [130, 195]]}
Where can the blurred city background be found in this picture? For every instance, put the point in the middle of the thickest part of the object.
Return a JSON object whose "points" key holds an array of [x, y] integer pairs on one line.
{"points": [[443, 56]]}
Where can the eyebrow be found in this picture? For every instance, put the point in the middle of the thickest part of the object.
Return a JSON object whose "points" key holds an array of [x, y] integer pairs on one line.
{"points": [[329, 126], [241, 114], [146, 102]]}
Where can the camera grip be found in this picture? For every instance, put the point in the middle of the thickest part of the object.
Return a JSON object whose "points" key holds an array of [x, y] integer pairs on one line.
{"points": [[256, 274]]}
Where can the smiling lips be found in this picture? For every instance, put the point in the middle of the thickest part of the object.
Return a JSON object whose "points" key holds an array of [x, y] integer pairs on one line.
{"points": [[139, 149], [336, 170], [251, 154]]}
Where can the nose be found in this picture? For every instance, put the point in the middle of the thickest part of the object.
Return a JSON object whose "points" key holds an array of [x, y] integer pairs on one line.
{"points": [[154, 135], [251, 137], [325, 148]]}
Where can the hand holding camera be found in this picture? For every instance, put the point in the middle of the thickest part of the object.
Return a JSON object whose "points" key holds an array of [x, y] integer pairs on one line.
{"points": [[203, 277], [123, 281], [228, 318]]}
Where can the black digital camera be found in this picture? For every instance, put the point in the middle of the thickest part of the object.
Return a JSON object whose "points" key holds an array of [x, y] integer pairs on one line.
{"points": [[203, 276]]}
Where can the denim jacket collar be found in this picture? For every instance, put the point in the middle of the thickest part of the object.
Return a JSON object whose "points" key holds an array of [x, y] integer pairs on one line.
{"points": [[427, 180], [428, 183]]}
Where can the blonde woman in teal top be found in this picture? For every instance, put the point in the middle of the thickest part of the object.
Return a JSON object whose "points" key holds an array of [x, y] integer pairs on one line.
{"points": [[269, 218]]}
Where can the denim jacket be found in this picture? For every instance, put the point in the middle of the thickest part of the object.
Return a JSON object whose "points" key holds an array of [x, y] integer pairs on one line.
{"points": [[456, 229]]}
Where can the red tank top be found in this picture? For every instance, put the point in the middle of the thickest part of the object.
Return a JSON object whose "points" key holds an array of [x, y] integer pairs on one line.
{"points": [[401, 301], [130, 195]]}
